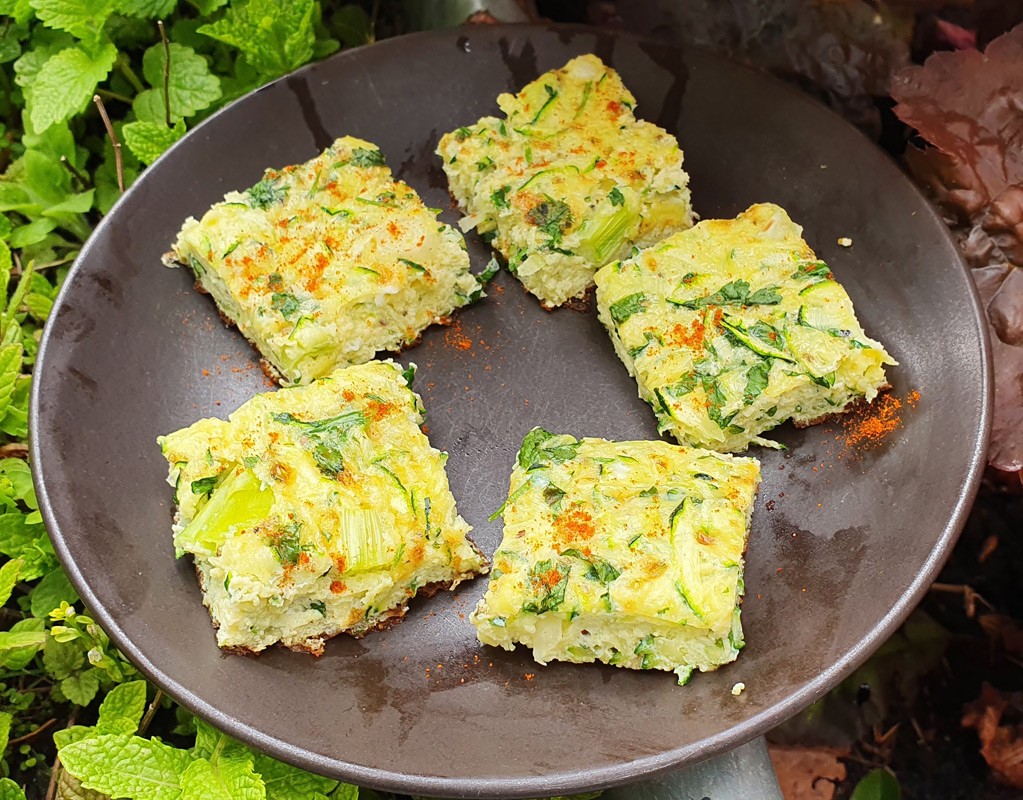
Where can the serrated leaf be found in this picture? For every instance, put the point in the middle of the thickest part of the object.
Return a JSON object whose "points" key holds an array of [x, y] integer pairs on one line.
{"points": [[50, 592], [9, 577], [66, 83], [127, 766], [80, 689], [192, 87], [285, 782], [5, 730], [9, 790], [146, 9], [18, 640], [122, 709], [70, 788], [15, 660], [20, 10], [38, 305], [225, 778], [83, 19], [346, 791], [61, 659], [208, 740], [276, 36], [75, 733], [10, 368], [149, 140]]}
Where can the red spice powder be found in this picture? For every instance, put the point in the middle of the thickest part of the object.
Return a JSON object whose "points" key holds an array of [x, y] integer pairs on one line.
{"points": [[455, 337], [881, 418], [575, 525]]}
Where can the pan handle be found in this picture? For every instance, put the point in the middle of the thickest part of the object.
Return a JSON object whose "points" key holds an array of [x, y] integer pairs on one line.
{"points": [[744, 773]]}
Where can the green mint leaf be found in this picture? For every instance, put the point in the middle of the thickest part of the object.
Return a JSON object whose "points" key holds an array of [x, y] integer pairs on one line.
{"points": [[83, 19], [276, 36], [631, 304], [28, 541], [8, 578], [208, 740], [5, 729], [80, 689], [225, 778], [70, 788], [75, 733], [18, 639], [191, 85], [66, 83], [24, 638], [149, 140], [122, 709], [40, 306], [62, 659], [284, 782], [207, 7], [127, 766], [363, 157], [616, 197], [9, 790], [145, 9], [347, 791], [50, 592]]}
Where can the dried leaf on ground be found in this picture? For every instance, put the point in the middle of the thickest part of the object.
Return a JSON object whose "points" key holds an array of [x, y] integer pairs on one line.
{"points": [[998, 720], [1004, 632], [808, 773], [966, 104]]}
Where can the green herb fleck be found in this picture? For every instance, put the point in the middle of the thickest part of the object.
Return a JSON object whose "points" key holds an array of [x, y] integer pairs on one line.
{"points": [[616, 197], [285, 303], [265, 194], [364, 157], [624, 308]]}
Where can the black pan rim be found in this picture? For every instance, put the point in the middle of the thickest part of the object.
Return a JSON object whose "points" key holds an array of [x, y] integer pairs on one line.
{"points": [[568, 781]]}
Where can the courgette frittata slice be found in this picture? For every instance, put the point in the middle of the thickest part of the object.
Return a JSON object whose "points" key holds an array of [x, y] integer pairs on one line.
{"points": [[735, 326], [630, 553], [325, 264], [316, 510], [568, 180]]}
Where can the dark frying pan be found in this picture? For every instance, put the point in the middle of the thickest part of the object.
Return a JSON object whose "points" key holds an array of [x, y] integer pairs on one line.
{"points": [[843, 543]]}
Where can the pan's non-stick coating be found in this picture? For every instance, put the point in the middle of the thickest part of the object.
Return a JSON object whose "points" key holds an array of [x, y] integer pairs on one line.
{"points": [[843, 542]]}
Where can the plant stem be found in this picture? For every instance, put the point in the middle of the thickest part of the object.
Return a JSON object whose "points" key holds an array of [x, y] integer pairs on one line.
{"points": [[124, 65], [150, 712], [108, 95], [83, 180], [33, 733], [166, 73], [118, 163]]}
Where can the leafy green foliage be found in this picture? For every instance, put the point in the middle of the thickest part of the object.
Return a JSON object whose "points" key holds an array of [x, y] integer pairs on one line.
{"points": [[878, 784], [736, 293], [58, 174]]}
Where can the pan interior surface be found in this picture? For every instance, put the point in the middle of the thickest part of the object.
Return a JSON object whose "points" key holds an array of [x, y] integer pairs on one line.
{"points": [[845, 538]]}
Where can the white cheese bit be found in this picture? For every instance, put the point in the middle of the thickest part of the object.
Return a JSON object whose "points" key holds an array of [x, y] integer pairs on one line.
{"points": [[845, 241], [738, 689]]}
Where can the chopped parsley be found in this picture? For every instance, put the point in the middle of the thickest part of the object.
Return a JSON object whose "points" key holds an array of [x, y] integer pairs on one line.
{"points": [[499, 197], [285, 303], [204, 486], [548, 582], [812, 269], [552, 217], [364, 157], [616, 197], [599, 570], [736, 293], [265, 194], [624, 308], [541, 448]]}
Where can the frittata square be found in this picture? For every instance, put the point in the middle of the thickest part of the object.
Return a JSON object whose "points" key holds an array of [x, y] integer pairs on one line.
{"points": [[568, 180], [630, 553], [735, 326], [325, 264], [316, 510]]}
